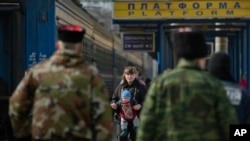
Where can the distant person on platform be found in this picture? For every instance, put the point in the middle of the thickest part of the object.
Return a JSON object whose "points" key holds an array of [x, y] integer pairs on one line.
{"points": [[137, 91], [219, 66], [186, 104], [243, 81], [139, 76], [148, 83], [68, 101]]}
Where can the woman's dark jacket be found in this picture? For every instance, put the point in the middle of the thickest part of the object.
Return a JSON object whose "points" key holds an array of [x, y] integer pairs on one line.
{"points": [[137, 90]]}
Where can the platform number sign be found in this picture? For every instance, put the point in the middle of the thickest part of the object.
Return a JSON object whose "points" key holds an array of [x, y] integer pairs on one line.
{"points": [[138, 42]]}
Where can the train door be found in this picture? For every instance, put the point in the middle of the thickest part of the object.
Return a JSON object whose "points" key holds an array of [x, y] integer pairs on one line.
{"points": [[11, 58], [11, 46]]}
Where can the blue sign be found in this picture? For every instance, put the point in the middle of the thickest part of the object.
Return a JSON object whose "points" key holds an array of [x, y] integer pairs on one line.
{"points": [[138, 42]]}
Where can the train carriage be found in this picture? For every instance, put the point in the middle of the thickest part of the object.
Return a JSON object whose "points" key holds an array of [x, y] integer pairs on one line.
{"points": [[100, 45]]}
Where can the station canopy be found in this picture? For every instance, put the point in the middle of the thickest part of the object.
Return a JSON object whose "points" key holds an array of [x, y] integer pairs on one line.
{"points": [[212, 16]]}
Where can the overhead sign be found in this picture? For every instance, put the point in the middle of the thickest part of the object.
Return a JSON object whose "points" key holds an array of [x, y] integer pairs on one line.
{"points": [[138, 42], [181, 9]]}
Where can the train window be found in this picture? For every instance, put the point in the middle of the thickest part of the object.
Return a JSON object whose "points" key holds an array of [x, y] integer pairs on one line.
{"points": [[120, 62], [104, 59], [87, 49]]}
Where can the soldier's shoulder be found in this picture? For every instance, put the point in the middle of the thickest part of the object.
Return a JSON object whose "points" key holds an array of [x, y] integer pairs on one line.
{"points": [[39, 66], [167, 76], [210, 78], [93, 69]]}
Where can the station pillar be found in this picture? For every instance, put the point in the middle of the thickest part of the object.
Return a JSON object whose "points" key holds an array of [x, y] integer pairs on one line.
{"points": [[161, 58]]}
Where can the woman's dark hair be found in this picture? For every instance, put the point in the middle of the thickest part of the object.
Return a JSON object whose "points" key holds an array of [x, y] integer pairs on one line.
{"points": [[128, 70]]}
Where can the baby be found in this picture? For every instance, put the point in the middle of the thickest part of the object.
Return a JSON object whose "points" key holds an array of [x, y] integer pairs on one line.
{"points": [[127, 112]]}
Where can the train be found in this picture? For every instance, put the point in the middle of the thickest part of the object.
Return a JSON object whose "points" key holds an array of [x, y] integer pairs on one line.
{"points": [[104, 47], [27, 35]]}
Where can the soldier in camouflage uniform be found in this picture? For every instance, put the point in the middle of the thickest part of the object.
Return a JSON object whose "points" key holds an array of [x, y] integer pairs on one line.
{"points": [[67, 99], [220, 66], [186, 104]]}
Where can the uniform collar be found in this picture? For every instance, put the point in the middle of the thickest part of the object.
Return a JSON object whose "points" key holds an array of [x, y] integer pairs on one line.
{"points": [[67, 59], [183, 63]]}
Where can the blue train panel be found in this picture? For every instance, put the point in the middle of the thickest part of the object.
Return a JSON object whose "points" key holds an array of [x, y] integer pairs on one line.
{"points": [[40, 30], [27, 36]]}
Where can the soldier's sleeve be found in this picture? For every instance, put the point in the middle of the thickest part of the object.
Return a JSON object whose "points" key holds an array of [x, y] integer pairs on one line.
{"points": [[20, 105], [148, 114], [101, 111], [226, 113]]}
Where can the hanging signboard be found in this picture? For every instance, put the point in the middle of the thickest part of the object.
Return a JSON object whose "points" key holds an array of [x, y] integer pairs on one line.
{"points": [[138, 42], [181, 9]]}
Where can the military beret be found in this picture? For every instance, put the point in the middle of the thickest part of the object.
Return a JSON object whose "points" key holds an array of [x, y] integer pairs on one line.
{"points": [[189, 43], [71, 33]]}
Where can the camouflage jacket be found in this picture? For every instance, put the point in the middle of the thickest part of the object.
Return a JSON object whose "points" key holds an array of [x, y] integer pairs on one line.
{"points": [[61, 98], [186, 104]]}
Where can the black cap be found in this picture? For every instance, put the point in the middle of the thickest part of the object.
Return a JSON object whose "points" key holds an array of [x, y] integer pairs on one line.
{"points": [[189, 43], [71, 33]]}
